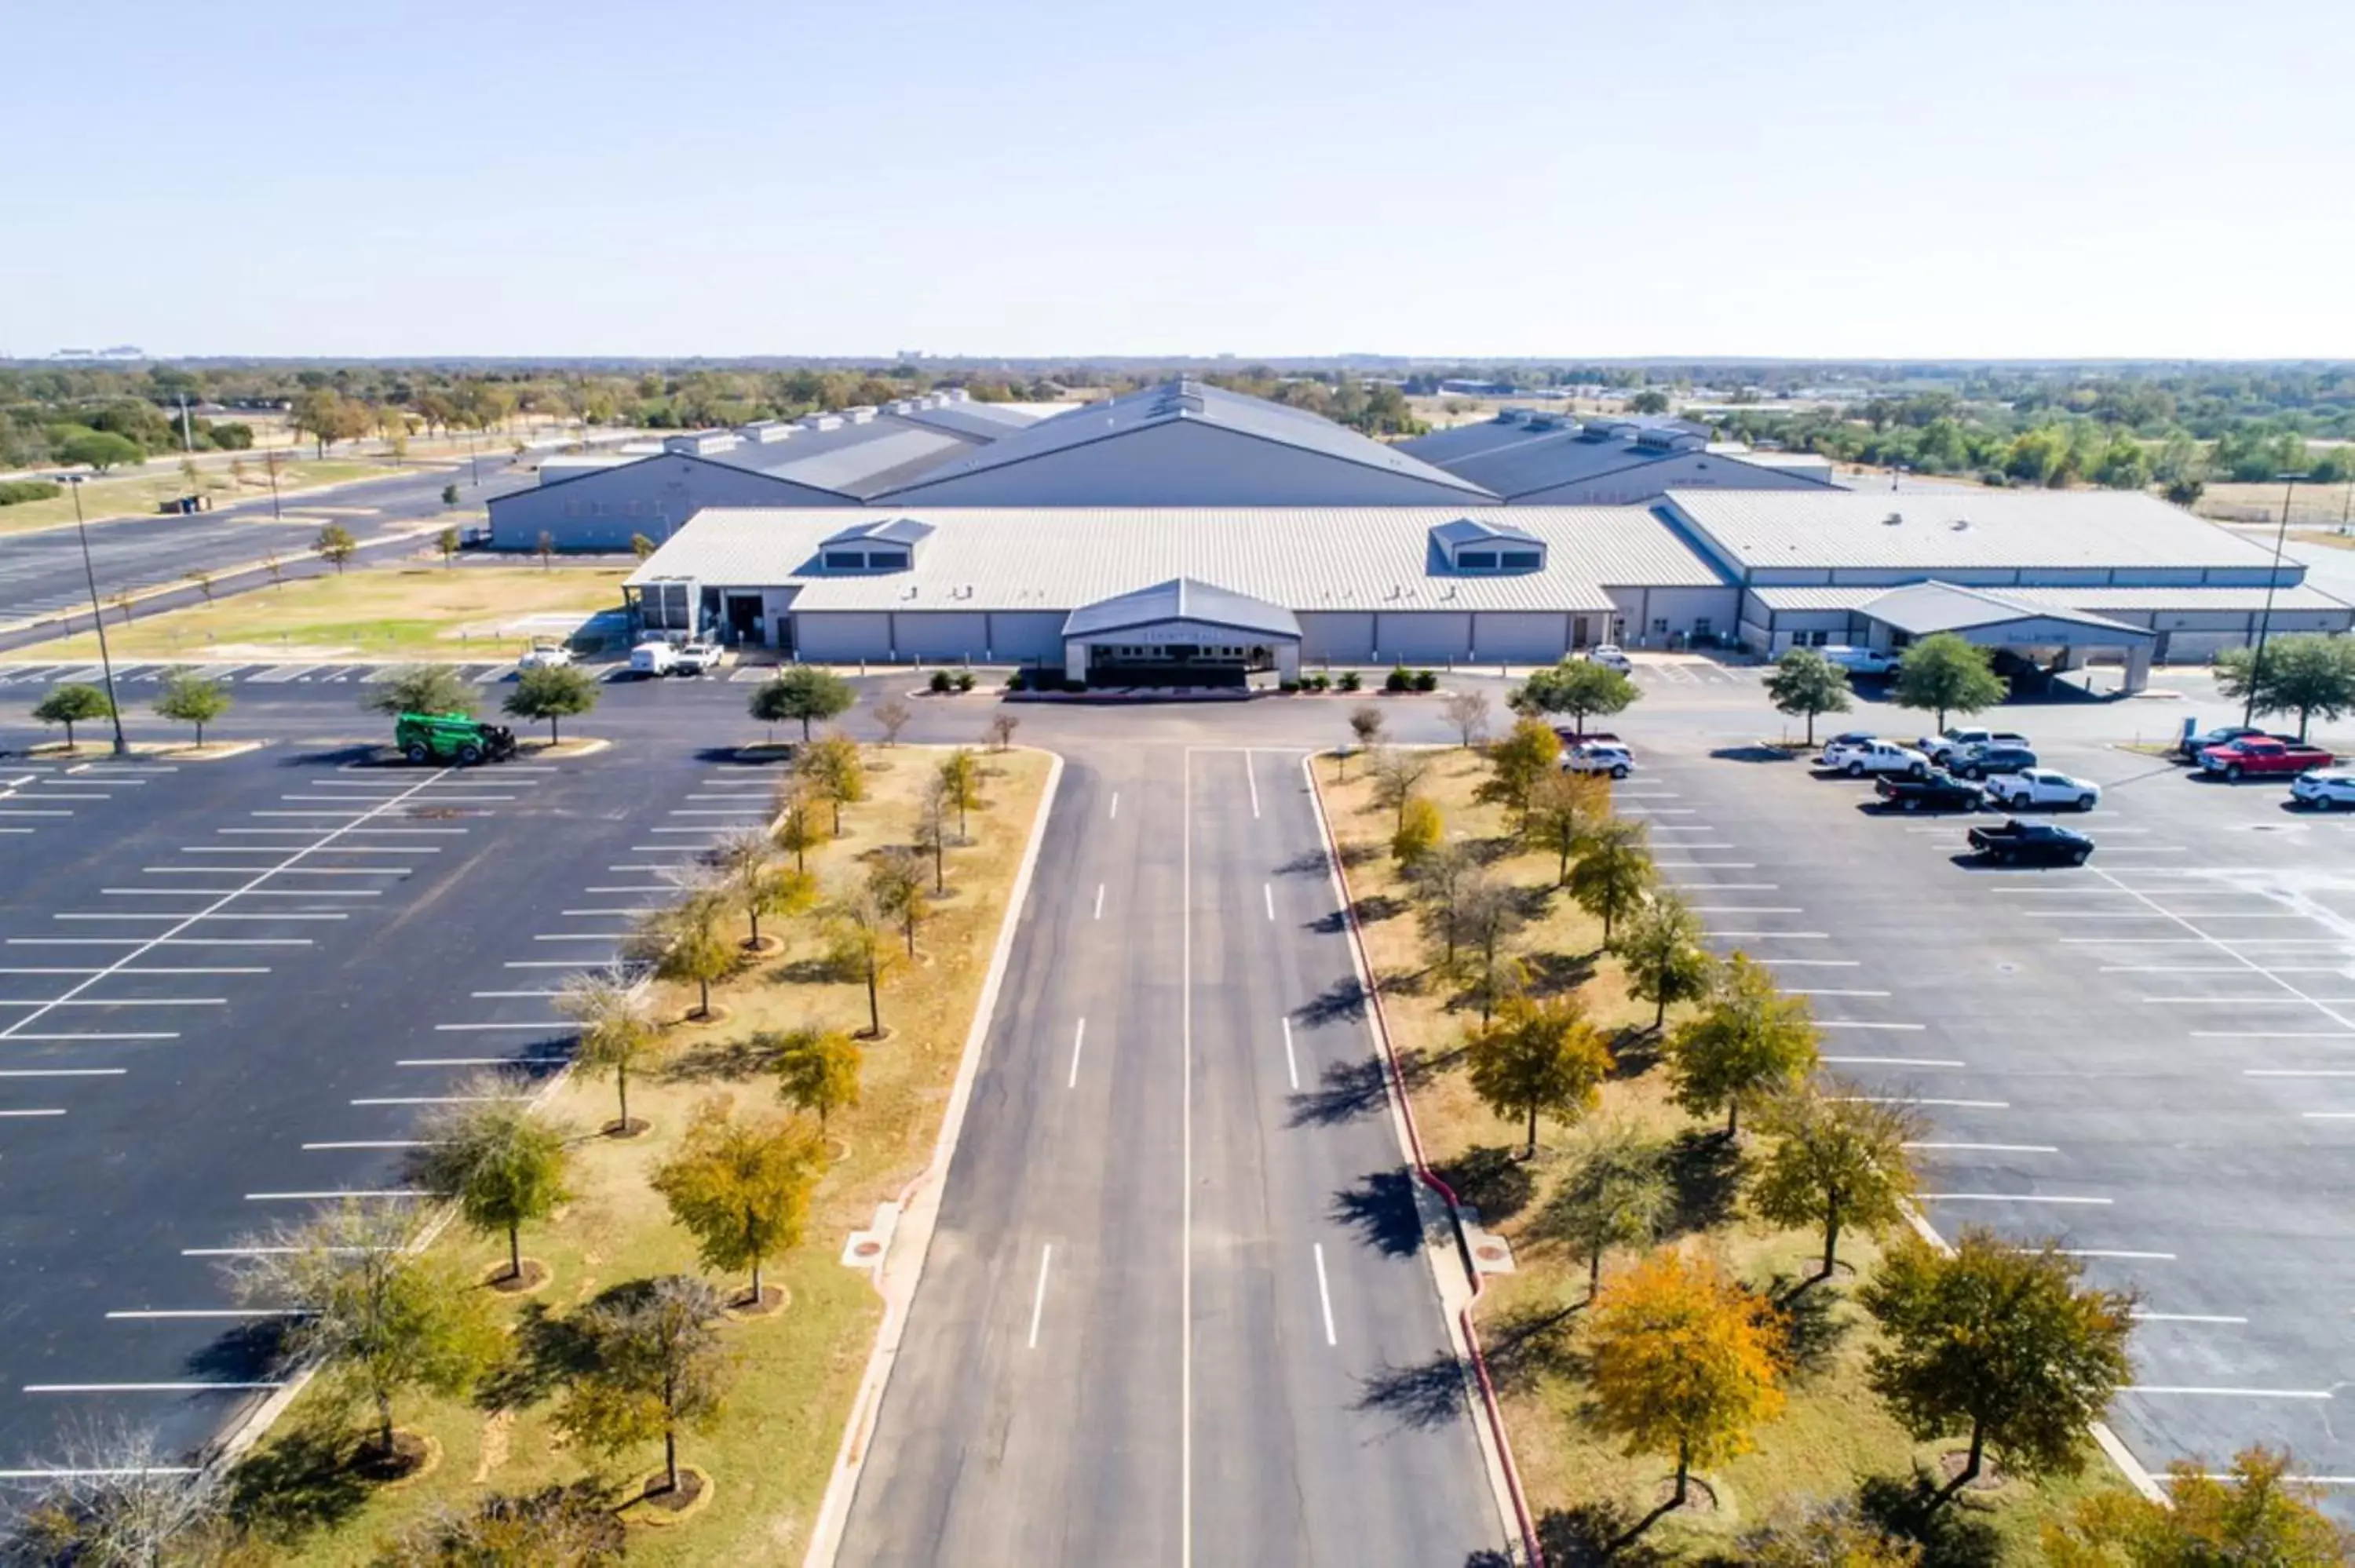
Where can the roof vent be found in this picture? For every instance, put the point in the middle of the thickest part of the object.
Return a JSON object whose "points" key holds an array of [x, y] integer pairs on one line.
{"points": [[1960, 525], [1892, 520]]}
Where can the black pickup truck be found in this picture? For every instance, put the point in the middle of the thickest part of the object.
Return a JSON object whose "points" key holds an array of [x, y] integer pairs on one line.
{"points": [[1937, 793]]}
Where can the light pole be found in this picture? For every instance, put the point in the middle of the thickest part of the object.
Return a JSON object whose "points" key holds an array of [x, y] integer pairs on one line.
{"points": [[97, 617], [471, 466], [2265, 622]]}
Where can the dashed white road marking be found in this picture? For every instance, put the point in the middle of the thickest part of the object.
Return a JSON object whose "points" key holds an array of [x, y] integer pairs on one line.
{"points": [[1038, 1299], [1325, 1294], [1079, 1038], [1291, 1064]]}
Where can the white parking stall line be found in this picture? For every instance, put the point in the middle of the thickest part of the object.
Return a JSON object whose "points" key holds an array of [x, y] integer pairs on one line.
{"points": [[569, 913], [2141, 1314], [1325, 1294], [2327, 1116], [1291, 1062], [2273, 1034], [56, 1037], [63, 1072], [1988, 1148], [1892, 1062], [134, 915], [167, 1314], [333, 849], [205, 1385], [159, 942], [1798, 990], [632, 887], [1079, 1039], [1811, 963], [1704, 864], [2011, 1197], [2197, 1392], [122, 1002], [1656, 810], [1745, 909], [541, 1061], [577, 937], [2119, 1255], [1863, 1023], [1778, 936], [434, 1099], [256, 893], [2297, 1071], [290, 871], [1039, 1298], [1911, 1100], [47, 1112], [367, 1143], [732, 811]]}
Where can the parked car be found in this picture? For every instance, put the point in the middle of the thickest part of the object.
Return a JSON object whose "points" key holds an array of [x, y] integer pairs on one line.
{"points": [[2191, 746], [2042, 787], [1938, 792], [1877, 756], [1611, 657], [546, 656], [1837, 746], [1569, 737], [700, 658], [1869, 662], [1599, 757], [1948, 745], [1987, 761], [2012, 841], [652, 659], [2264, 754], [2325, 789]]}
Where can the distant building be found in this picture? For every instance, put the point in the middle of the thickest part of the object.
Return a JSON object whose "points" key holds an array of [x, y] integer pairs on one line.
{"points": [[1531, 458]]}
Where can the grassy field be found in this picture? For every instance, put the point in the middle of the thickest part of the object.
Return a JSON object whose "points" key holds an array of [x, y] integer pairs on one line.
{"points": [[2320, 506], [1833, 1437], [793, 1374], [138, 496], [423, 612]]}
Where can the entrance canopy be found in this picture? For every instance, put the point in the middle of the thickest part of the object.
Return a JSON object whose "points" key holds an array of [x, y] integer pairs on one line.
{"points": [[1995, 619], [1179, 630]]}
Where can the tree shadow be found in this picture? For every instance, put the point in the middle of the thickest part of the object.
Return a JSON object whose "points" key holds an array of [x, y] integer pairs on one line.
{"points": [[725, 1061], [1381, 906], [820, 969], [1313, 863], [1350, 1090], [1813, 1328], [1531, 1342], [1491, 1180], [1553, 974], [302, 1479], [1343, 1001], [243, 1354], [1756, 754], [1704, 1171], [546, 1351], [1952, 1536], [1588, 1534], [1380, 1208], [1634, 1051]]}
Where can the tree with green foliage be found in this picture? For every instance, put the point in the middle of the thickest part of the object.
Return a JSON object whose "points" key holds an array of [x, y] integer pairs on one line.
{"points": [[654, 1369], [1578, 687], [2308, 673], [382, 1317], [1539, 1055], [449, 495], [448, 542], [2263, 1512], [1840, 1159], [191, 698], [859, 927], [896, 877], [1660, 946], [755, 885], [1419, 832], [1528, 752], [616, 1028], [1749, 1042], [1613, 872], [1944, 674], [741, 1186], [101, 450], [684, 944], [72, 703], [1998, 1340], [1807, 684], [506, 1166], [421, 689], [837, 773], [641, 547], [818, 1070], [1618, 1194], [802, 692], [1560, 811], [960, 776], [552, 691], [335, 547]]}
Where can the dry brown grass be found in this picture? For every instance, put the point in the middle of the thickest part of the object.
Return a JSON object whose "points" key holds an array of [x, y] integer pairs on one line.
{"points": [[1834, 1434], [794, 1374]]}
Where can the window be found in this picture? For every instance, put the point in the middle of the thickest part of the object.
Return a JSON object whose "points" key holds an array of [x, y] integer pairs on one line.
{"points": [[1476, 560], [1659, 626], [1819, 639], [1700, 625], [846, 560], [1522, 560], [886, 560]]}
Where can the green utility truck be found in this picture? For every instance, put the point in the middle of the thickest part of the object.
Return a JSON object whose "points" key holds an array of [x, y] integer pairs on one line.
{"points": [[452, 737]]}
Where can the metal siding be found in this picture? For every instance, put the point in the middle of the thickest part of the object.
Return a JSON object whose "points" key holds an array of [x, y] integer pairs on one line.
{"points": [[1519, 637], [1424, 637], [1345, 636], [942, 634], [841, 636], [1019, 634]]}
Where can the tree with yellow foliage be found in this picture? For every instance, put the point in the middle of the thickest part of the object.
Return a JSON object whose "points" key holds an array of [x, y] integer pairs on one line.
{"points": [[1539, 1056], [2263, 1513]]}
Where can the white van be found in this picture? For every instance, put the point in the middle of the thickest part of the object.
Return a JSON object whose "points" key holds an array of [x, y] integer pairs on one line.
{"points": [[652, 659]]}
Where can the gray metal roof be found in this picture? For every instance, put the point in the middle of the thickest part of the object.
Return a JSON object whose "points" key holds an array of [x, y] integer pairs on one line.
{"points": [[1919, 609], [879, 453], [1183, 599], [1513, 457], [1827, 528], [2120, 600], [890, 530], [1307, 559], [1471, 531], [978, 421], [1177, 400]]}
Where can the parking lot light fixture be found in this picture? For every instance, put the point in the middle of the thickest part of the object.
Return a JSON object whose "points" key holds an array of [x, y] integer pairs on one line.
{"points": [[97, 615], [2273, 580]]}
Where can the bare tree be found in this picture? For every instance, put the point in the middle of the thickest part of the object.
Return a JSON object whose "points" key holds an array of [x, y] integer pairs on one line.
{"points": [[1398, 772], [891, 715], [1468, 712], [113, 1502], [617, 1026], [1001, 730]]}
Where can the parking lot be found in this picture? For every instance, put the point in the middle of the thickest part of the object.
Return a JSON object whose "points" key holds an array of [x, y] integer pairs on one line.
{"points": [[232, 1002], [2151, 1057]]}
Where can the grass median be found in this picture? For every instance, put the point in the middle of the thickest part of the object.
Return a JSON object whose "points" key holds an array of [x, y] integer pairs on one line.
{"points": [[792, 1376], [391, 612], [1834, 1440], [138, 495]]}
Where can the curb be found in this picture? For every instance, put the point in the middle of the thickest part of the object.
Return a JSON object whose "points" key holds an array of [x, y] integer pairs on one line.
{"points": [[895, 1277], [1497, 1448]]}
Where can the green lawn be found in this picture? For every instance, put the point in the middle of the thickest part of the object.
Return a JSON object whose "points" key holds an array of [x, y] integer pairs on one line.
{"points": [[138, 496]]}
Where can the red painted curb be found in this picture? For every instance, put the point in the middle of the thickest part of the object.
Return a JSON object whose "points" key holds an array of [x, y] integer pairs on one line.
{"points": [[1429, 1177]]}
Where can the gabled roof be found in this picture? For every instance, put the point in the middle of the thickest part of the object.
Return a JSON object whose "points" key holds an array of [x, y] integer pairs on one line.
{"points": [[1515, 457], [1176, 401], [1472, 531], [1182, 599], [1920, 609], [888, 531]]}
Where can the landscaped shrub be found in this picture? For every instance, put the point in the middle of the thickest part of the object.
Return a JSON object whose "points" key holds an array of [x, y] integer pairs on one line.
{"points": [[18, 490], [965, 680], [941, 682], [1349, 681], [1426, 680], [1317, 683], [1399, 680], [1288, 687]]}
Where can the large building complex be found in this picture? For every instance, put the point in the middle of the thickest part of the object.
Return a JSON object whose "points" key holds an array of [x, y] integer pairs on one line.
{"points": [[1528, 458]]}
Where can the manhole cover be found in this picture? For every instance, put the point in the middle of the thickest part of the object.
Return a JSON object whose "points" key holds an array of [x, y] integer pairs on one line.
{"points": [[867, 1248], [1490, 1253]]}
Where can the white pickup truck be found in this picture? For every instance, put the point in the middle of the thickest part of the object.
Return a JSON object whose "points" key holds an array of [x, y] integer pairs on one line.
{"points": [[700, 657], [1860, 755], [1949, 747]]}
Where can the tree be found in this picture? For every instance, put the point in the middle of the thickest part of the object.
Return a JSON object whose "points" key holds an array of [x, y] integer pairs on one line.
{"points": [[1825, 1535], [1684, 1361], [1651, 400], [1945, 674], [960, 780], [685, 946], [112, 1501], [1366, 724], [506, 1166], [1398, 772], [802, 692], [1839, 1159], [449, 495], [1468, 712], [192, 699], [276, 569], [742, 1188], [327, 417], [552, 691], [101, 450], [1617, 1195], [891, 715], [421, 689], [818, 1070], [1998, 1340], [859, 929], [73, 704], [1419, 832], [555, 1527], [1528, 752], [1439, 880], [898, 880], [448, 542], [1539, 1056], [383, 1318], [1560, 811], [796, 833], [545, 548], [1806, 682], [837, 773], [617, 1028], [2262, 1514], [1613, 872], [654, 1369], [335, 545], [1661, 949], [934, 830], [753, 884], [2306, 673], [1579, 687], [1749, 1042], [203, 581], [641, 547], [1002, 726], [1488, 916]]}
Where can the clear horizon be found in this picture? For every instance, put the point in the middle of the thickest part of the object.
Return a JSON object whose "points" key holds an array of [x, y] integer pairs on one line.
{"points": [[1831, 181]]}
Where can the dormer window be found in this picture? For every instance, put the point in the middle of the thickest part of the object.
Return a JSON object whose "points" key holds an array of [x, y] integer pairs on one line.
{"points": [[1467, 545], [874, 547]]}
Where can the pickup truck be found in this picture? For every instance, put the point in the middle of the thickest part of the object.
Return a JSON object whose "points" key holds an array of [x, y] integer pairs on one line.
{"points": [[1869, 662], [2013, 840], [2261, 754], [700, 658], [1938, 792], [1950, 746], [1857, 757]]}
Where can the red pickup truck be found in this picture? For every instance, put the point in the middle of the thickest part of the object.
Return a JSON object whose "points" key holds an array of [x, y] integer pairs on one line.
{"points": [[2264, 754]]}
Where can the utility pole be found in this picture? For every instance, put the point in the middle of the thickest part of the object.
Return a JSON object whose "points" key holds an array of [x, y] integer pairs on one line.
{"points": [[2265, 622], [98, 618], [473, 467]]}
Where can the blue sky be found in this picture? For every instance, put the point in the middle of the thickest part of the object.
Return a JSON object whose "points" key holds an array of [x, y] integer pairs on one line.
{"points": [[1887, 177]]}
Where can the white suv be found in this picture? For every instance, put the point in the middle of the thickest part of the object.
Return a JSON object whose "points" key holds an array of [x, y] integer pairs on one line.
{"points": [[1611, 658], [1599, 757], [2042, 787], [1863, 754], [2324, 789]]}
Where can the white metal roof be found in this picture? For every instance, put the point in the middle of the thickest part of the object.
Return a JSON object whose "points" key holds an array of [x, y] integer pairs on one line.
{"points": [[1922, 608], [1953, 529], [1307, 559], [2100, 600], [1182, 599]]}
